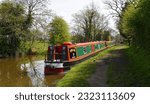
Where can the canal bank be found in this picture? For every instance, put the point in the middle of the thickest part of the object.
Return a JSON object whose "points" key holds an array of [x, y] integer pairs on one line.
{"points": [[27, 70], [79, 75]]}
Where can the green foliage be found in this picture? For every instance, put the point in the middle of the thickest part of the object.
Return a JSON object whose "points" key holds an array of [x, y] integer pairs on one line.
{"points": [[144, 20], [139, 67], [106, 36], [130, 21], [135, 23], [116, 73], [59, 31], [17, 33], [11, 25], [77, 38], [78, 75], [39, 47], [135, 74]]}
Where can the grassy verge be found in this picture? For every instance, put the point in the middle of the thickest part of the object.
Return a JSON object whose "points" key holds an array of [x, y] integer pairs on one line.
{"points": [[135, 74], [117, 69], [139, 68], [78, 75]]}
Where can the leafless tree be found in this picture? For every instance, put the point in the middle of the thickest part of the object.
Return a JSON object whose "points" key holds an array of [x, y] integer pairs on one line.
{"points": [[37, 11], [116, 7], [89, 22]]}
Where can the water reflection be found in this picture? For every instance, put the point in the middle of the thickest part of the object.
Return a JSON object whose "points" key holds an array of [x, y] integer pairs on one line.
{"points": [[35, 72], [25, 72]]}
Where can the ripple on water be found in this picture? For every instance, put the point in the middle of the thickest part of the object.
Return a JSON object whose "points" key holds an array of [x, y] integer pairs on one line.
{"points": [[35, 71]]}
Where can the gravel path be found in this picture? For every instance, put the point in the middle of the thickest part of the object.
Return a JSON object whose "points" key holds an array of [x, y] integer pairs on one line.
{"points": [[99, 78]]}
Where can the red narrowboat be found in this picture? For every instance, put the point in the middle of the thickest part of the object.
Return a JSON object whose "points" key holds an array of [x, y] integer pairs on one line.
{"points": [[61, 57]]}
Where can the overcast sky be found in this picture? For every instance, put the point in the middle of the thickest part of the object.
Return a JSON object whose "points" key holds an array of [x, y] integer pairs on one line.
{"points": [[66, 8]]}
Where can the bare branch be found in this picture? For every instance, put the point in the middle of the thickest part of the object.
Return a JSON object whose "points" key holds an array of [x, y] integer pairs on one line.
{"points": [[116, 6], [90, 22]]}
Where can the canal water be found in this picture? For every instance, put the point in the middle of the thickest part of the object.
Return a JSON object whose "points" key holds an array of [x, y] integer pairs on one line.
{"points": [[25, 72]]}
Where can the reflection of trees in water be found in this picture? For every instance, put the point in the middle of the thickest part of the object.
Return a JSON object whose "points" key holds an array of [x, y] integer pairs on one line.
{"points": [[10, 74], [25, 72], [34, 71]]}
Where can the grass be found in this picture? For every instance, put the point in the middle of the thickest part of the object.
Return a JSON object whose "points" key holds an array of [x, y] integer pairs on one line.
{"points": [[40, 47], [139, 67], [135, 74], [78, 75], [116, 77], [116, 73]]}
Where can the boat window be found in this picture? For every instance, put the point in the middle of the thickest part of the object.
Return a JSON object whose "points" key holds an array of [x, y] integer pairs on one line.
{"points": [[72, 52]]}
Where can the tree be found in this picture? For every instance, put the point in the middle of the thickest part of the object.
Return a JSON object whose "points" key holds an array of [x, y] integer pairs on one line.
{"points": [[136, 22], [106, 36], [35, 10], [59, 31], [37, 18], [11, 27], [118, 39], [89, 22], [117, 8]]}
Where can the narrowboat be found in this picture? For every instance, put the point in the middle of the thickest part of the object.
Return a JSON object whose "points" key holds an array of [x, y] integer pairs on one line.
{"points": [[61, 57]]}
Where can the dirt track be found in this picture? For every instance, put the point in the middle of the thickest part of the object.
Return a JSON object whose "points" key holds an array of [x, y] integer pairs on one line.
{"points": [[99, 78]]}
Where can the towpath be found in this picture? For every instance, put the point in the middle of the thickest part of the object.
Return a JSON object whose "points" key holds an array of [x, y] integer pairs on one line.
{"points": [[100, 77]]}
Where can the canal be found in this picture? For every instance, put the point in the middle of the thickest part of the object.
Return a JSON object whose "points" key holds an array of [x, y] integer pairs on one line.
{"points": [[25, 72]]}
